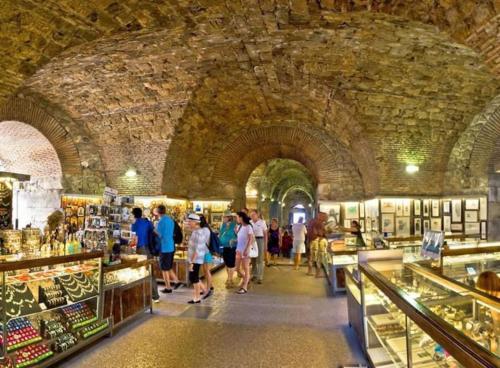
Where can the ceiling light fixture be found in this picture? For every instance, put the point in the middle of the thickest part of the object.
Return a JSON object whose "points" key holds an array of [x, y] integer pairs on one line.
{"points": [[412, 169], [131, 172]]}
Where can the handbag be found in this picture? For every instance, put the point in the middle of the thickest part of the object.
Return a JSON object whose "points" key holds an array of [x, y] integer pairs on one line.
{"points": [[254, 250]]}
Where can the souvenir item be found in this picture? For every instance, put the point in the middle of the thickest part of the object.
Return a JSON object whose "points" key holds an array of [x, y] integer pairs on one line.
{"points": [[77, 286]]}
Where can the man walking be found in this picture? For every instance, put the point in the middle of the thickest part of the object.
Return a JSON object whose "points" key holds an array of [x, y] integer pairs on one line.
{"points": [[143, 230], [260, 232], [165, 231]]}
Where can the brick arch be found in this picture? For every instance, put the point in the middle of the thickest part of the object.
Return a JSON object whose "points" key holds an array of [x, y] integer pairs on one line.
{"points": [[471, 157], [67, 146]]}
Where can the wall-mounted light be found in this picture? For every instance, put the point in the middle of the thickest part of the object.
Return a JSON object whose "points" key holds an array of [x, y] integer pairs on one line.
{"points": [[131, 172], [412, 169], [310, 205]]}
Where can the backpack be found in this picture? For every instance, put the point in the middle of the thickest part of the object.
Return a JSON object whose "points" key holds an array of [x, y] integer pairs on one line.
{"points": [[214, 244], [178, 237], [154, 244]]}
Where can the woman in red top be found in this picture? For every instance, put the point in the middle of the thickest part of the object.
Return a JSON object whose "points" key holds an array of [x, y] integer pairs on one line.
{"points": [[286, 244]]}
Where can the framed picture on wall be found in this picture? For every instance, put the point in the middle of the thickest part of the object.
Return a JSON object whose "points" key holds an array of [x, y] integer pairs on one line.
{"points": [[417, 223], [483, 209], [472, 204], [435, 208], [457, 227], [362, 209], [472, 228], [403, 226], [387, 223], [406, 207], [362, 225], [470, 216], [426, 210], [456, 210], [351, 210], [368, 224], [216, 218], [427, 225], [436, 224], [388, 205], [347, 223], [416, 207], [399, 207], [484, 230], [447, 224], [446, 207]]}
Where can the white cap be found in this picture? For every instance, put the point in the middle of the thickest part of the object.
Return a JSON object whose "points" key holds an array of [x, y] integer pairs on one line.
{"points": [[194, 217]]}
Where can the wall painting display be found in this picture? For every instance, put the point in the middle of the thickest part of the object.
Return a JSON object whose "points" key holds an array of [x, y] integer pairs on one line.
{"points": [[456, 210], [399, 207], [426, 205], [470, 216], [472, 204], [418, 226], [406, 207], [483, 209], [347, 224], [435, 208], [472, 228], [446, 207], [436, 224], [388, 205], [375, 224], [457, 227], [427, 225], [403, 226], [447, 224], [362, 209], [416, 207], [351, 210], [198, 207], [387, 223], [368, 224], [362, 225], [333, 213], [484, 232]]}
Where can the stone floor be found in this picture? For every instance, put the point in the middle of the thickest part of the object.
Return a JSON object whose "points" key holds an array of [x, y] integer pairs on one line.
{"points": [[289, 321]]}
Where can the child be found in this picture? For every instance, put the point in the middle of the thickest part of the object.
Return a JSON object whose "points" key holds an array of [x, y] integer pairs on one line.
{"points": [[286, 244]]}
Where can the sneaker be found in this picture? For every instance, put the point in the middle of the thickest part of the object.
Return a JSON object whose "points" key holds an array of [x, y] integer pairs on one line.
{"points": [[166, 291], [156, 300], [177, 285], [194, 302]]}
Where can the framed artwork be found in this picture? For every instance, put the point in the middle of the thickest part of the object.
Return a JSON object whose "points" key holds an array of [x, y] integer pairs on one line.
{"points": [[332, 211], [447, 224], [403, 226], [472, 204], [406, 207], [81, 211], [483, 209], [426, 209], [375, 224], [456, 210], [347, 224], [417, 224], [484, 232], [416, 207], [198, 207], [362, 225], [81, 222], [436, 224], [472, 228], [362, 209], [368, 224], [387, 223], [399, 208], [446, 207], [427, 225], [351, 210], [457, 227], [216, 218], [435, 208], [470, 216], [388, 205]]}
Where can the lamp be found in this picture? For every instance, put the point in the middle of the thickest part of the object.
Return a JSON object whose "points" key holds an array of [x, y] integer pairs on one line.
{"points": [[412, 169], [131, 172]]}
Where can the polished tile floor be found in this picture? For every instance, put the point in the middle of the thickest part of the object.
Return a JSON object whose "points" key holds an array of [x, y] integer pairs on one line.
{"points": [[289, 321]]}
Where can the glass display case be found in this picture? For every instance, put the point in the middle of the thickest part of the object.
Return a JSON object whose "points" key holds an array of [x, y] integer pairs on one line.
{"points": [[414, 318], [50, 308], [127, 290]]}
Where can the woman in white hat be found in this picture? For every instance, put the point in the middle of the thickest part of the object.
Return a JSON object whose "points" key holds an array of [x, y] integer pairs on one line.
{"points": [[198, 247]]}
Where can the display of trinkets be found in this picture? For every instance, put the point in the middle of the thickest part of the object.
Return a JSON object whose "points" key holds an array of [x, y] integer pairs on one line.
{"points": [[77, 286], [64, 342], [78, 315], [52, 296], [12, 240], [19, 300], [31, 240], [32, 354], [20, 333], [51, 329], [93, 329]]}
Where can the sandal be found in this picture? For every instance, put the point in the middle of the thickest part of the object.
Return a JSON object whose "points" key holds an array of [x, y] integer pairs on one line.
{"points": [[242, 291], [194, 301]]}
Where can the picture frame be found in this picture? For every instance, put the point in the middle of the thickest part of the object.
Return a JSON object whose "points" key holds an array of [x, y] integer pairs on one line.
{"points": [[426, 225], [333, 212], [417, 226], [472, 204], [456, 210], [198, 207], [351, 210], [447, 224], [426, 207], [406, 208], [216, 218], [347, 224], [436, 224], [388, 205], [368, 224], [361, 209], [387, 223], [446, 207], [81, 211], [435, 208], [470, 216], [483, 209], [472, 228], [362, 225], [457, 227], [403, 226], [484, 230], [399, 208], [416, 207]]}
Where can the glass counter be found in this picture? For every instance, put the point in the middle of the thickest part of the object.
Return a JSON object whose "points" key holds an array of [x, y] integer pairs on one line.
{"points": [[414, 318]]}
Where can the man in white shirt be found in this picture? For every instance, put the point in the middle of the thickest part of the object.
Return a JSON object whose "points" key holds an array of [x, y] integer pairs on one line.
{"points": [[260, 233], [299, 231]]}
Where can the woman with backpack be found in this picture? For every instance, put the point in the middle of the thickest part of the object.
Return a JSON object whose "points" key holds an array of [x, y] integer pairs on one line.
{"points": [[208, 261], [245, 240]]}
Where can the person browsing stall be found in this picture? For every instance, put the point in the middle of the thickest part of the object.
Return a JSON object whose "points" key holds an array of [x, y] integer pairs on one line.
{"points": [[260, 232], [198, 248]]}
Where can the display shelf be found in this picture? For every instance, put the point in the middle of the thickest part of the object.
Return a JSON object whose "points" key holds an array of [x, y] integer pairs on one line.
{"points": [[383, 341], [47, 275]]}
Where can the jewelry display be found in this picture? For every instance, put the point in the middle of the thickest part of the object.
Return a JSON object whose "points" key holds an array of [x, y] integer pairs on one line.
{"points": [[77, 286], [32, 354], [20, 301]]}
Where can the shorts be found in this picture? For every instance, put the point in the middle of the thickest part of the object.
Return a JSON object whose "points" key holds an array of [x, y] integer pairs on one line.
{"points": [[299, 246], [208, 258], [229, 256], [194, 275], [166, 261]]}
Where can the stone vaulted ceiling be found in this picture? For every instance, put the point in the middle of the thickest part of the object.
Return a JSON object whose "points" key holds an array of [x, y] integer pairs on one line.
{"points": [[196, 94]]}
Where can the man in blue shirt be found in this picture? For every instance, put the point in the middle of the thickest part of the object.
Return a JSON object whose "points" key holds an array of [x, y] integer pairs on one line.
{"points": [[143, 229], [165, 231]]}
